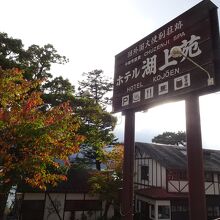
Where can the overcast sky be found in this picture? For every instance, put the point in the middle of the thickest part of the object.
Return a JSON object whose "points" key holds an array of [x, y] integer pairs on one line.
{"points": [[91, 32]]}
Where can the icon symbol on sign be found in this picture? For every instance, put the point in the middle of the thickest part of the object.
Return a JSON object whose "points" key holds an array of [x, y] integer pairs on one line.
{"points": [[125, 100], [163, 88], [136, 97], [149, 92], [182, 82]]}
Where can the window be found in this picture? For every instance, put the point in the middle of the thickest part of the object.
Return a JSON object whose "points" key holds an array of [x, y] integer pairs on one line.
{"points": [[208, 177], [213, 211], [163, 212], [216, 211], [185, 208], [210, 211], [144, 173], [152, 211], [179, 208], [173, 208]]}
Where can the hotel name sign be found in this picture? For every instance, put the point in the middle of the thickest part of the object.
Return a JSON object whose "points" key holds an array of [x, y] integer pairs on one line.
{"points": [[146, 73]]}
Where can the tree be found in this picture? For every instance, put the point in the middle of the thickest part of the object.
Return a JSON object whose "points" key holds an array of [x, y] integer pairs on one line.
{"points": [[36, 61], [171, 138], [107, 183], [97, 86], [98, 124], [11, 51], [31, 140], [57, 91]]}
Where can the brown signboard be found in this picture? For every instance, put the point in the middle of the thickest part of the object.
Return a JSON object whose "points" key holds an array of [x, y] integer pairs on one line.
{"points": [[147, 74]]}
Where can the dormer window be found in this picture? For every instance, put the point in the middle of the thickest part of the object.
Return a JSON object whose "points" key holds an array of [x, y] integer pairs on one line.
{"points": [[144, 172]]}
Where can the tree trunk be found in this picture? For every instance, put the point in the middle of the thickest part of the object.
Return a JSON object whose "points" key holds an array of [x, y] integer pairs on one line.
{"points": [[98, 165], [3, 201]]}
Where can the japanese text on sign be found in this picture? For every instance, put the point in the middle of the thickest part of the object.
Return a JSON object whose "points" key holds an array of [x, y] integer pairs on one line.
{"points": [[190, 48]]}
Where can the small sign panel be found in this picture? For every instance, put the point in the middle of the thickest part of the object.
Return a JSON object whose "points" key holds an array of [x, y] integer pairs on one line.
{"points": [[149, 92], [163, 88], [182, 82], [147, 74]]}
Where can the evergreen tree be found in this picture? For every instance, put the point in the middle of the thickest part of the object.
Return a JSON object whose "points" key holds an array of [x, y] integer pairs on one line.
{"points": [[97, 86], [171, 138], [98, 123], [36, 61], [57, 91]]}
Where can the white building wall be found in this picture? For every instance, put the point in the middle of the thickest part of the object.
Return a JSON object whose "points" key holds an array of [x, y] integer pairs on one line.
{"points": [[157, 173], [211, 188], [58, 200], [184, 186], [154, 174], [34, 196], [74, 196], [216, 184], [178, 186], [164, 177]]}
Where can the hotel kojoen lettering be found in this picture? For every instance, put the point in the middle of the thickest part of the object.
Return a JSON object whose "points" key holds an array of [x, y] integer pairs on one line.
{"points": [[146, 74]]}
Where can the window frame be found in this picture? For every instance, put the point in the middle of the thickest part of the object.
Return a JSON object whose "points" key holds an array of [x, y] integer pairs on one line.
{"points": [[145, 172], [164, 216]]}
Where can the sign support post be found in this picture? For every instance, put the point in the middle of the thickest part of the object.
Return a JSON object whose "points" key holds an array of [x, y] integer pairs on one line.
{"points": [[128, 166], [197, 199]]}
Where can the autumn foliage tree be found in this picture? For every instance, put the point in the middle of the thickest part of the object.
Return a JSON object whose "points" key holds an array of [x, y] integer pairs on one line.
{"points": [[30, 139], [107, 183]]}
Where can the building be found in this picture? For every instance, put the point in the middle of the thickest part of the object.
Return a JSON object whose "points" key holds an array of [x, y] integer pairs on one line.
{"points": [[70, 200], [161, 184]]}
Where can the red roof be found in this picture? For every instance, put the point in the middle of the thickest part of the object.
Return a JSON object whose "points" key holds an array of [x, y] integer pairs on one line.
{"points": [[160, 193]]}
